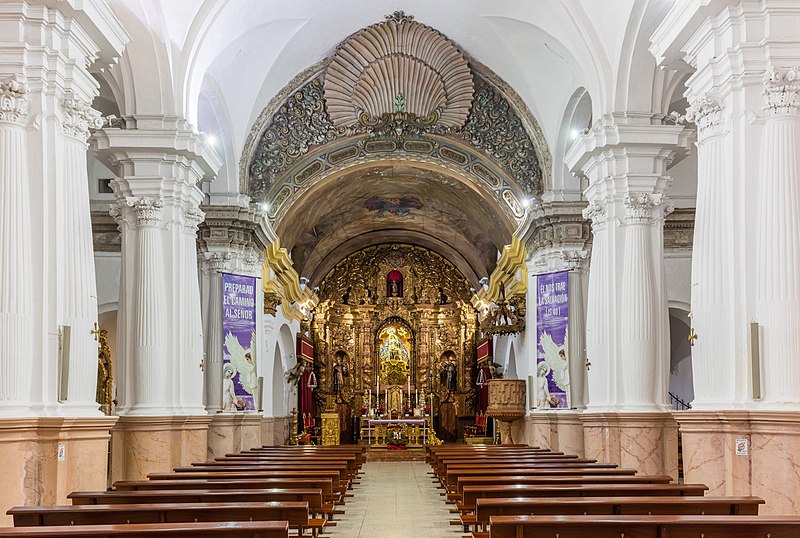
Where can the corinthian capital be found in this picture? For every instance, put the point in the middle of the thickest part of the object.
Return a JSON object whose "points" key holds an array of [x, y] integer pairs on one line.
{"points": [[13, 100], [193, 217], [639, 207], [79, 117], [705, 112], [146, 210], [596, 212], [782, 91]]}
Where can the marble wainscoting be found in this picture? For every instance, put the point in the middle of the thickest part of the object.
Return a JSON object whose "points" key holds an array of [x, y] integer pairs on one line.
{"points": [[771, 467], [557, 430], [31, 472], [153, 444], [233, 432], [275, 430], [634, 440]]}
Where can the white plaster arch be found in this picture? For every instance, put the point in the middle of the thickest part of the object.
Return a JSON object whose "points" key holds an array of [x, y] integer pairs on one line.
{"points": [[107, 307], [278, 392], [577, 117]]}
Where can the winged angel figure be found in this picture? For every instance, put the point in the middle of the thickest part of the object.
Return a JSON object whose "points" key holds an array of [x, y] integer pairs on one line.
{"points": [[242, 361], [556, 358]]}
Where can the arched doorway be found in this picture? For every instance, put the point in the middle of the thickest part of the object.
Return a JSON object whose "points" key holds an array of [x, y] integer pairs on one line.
{"points": [[681, 387]]}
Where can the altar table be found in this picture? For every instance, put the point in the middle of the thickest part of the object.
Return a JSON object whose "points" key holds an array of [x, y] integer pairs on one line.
{"points": [[399, 423]]}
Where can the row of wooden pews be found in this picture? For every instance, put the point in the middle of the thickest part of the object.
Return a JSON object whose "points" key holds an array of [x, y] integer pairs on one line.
{"points": [[529, 492], [261, 493]]}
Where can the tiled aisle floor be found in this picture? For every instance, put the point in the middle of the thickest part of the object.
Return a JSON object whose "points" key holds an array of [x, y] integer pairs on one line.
{"points": [[395, 500]]}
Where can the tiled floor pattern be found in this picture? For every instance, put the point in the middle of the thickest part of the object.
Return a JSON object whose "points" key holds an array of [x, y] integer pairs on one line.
{"points": [[395, 500]]}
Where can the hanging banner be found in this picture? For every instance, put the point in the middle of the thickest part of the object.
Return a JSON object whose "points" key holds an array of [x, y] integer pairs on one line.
{"points": [[239, 378], [552, 361]]}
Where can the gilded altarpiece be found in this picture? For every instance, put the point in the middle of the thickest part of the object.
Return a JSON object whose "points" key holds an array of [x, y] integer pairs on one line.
{"points": [[409, 333]]}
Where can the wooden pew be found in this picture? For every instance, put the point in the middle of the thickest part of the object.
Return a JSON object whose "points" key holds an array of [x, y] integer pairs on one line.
{"points": [[545, 480], [471, 494], [247, 467], [359, 451], [240, 529], [454, 473], [348, 459], [322, 484], [333, 476], [295, 513], [486, 508], [644, 526]]}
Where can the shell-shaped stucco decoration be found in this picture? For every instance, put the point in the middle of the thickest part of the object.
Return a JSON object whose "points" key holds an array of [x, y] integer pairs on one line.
{"points": [[398, 65]]}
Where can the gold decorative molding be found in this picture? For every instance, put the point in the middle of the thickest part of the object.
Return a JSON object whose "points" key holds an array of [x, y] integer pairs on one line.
{"points": [[510, 271], [279, 276], [272, 300]]}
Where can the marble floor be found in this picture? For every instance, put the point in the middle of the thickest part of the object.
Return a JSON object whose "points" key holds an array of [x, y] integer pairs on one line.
{"points": [[395, 500]]}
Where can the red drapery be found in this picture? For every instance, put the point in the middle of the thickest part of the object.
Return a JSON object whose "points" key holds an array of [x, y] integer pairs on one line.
{"points": [[305, 354], [306, 395]]}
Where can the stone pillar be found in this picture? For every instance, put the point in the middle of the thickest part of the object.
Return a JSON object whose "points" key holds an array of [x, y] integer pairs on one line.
{"points": [[778, 255], [16, 316], [46, 256], [160, 359], [625, 157], [232, 240], [743, 96]]}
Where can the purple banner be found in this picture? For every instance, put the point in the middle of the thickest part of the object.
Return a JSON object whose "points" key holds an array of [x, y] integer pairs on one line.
{"points": [[239, 378], [552, 360]]}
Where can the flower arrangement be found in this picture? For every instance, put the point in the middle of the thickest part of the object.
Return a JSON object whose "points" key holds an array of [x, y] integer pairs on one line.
{"points": [[407, 410], [427, 410], [363, 411], [379, 411], [397, 440], [305, 439]]}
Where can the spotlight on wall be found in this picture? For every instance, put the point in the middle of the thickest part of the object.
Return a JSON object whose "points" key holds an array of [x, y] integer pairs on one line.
{"points": [[526, 202], [211, 139], [575, 133]]}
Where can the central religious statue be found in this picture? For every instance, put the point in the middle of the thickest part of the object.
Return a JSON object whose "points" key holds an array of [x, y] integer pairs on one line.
{"points": [[396, 315]]}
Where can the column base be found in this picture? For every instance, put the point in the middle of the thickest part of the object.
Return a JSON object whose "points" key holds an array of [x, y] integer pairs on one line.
{"points": [[769, 470], [156, 444], [31, 472], [647, 442], [557, 430], [233, 432], [275, 430]]}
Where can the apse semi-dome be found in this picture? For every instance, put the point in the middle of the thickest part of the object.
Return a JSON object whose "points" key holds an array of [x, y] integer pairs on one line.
{"points": [[398, 65]]}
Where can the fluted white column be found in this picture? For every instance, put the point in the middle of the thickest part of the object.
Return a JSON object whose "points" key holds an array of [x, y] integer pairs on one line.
{"points": [[16, 281], [778, 259], [599, 300], [639, 315], [149, 339], [213, 266], [192, 323], [77, 303], [712, 260]]}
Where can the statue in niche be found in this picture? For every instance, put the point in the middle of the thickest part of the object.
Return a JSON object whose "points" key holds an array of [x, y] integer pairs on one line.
{"points": [[346, 295], [394, 283], [338, 378], [448, 376]]}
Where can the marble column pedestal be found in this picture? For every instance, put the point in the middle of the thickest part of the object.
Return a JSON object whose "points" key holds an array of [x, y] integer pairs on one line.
{"points": [[771, 467], [233, 432], [275, 430], [556, 430], [156, 444], [31, 472], [646, 441]]}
